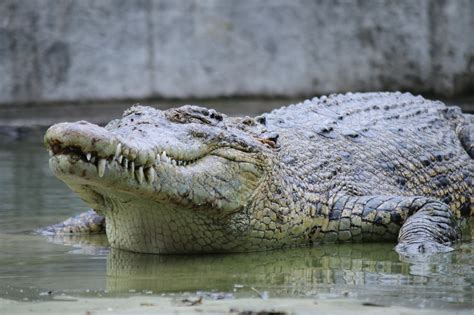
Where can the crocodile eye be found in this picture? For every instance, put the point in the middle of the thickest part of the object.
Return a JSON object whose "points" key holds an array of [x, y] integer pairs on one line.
{"points": [[269, 139], [194, 114], [186, 118], [177, 117]]}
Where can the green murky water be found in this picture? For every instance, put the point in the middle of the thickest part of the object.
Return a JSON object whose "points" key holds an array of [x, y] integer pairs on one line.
{"points": [[34, 267]]}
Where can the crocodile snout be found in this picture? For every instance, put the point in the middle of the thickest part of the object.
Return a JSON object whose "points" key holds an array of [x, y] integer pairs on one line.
{"points": [[82, 136]]}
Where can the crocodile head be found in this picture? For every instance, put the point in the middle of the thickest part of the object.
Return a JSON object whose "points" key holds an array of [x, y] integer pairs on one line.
{"points": [[167, 181]]}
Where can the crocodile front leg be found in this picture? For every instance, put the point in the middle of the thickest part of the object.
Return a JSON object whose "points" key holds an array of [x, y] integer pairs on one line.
{"points": [[88, 222], [420, 224]]}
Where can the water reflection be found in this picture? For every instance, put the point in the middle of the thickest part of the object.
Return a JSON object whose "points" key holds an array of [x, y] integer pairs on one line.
{"points": [[363, 271], [273, 269]]}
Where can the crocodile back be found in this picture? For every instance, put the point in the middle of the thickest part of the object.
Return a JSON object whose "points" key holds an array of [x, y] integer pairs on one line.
{"points": [[375, 143]]}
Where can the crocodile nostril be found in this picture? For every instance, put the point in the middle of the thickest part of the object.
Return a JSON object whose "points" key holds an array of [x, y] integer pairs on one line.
{"points": [[56, 148]]}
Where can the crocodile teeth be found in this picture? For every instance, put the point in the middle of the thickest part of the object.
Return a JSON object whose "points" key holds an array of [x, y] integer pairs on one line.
{"points": [[150, 174], [132, 167], [173, 162], [88, 156], [125, 162], [120, 158], [101, 167], [163, 157], [118, 150], [50, 153], [140, 174]]}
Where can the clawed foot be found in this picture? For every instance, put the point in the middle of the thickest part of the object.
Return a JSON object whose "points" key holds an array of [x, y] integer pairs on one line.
{"points": [[422, 248], [85, 223]]}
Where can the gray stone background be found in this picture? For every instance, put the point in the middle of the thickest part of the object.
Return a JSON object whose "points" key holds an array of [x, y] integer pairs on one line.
{"points": [[91, 51]]}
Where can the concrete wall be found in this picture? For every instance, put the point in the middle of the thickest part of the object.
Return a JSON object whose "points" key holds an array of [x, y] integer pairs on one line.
{"points": [[68, 50]]}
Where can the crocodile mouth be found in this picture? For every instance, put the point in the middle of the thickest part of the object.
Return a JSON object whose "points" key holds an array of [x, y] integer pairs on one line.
{"points": [[104, 167], [91, 153], [121, 161]]}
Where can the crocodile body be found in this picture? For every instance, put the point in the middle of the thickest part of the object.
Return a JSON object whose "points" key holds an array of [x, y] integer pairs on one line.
{"points": [[353, 167]]}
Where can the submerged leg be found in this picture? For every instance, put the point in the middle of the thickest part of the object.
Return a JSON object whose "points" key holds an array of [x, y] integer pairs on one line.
{"points": [[420, 224], [88, 222]]}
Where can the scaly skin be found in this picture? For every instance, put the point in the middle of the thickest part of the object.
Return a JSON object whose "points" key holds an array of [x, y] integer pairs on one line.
{"points": [[353, 167]]}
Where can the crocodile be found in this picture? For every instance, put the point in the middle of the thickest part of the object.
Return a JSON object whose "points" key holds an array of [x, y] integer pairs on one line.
{"points": [[355, 167]]}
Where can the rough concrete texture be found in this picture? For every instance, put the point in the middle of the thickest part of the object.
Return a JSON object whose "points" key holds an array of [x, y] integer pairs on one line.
{"points": [[68, 50]]}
